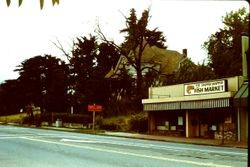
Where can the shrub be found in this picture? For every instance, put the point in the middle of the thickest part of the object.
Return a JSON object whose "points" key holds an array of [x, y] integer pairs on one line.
{"points": [[114, 124], [67, 118], [132, 123], [139, 123], [27, 120], [37, 120]]}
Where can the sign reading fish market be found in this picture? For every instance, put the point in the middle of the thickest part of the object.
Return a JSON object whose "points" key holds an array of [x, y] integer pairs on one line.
{"points": [[199, 88]]}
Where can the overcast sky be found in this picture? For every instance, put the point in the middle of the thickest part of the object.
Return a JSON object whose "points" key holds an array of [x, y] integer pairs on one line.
{"points": [[27, 31]]}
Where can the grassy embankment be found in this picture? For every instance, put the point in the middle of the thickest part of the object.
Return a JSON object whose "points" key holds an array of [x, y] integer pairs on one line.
{"points": [[129, 123], [16, 118]]}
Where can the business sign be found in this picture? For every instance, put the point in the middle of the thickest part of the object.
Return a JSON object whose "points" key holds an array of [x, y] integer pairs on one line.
{"points": [[205, 87], [95, 108]]}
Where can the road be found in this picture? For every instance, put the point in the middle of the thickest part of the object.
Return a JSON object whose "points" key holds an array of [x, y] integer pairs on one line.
{"points": [[30, 147]]}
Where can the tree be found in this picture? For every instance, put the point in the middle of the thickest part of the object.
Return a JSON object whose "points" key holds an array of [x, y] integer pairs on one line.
{"points": [[137, 37], [41, 2], [89, 63], [43, 81], [190, 72], [224, 47], [82, 64], [11, 99], [136, 34]]}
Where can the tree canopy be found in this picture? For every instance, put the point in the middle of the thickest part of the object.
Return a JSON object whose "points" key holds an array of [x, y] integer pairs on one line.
{"points": [[224, 46], [43, 80], [8, 2], [137, 37], [190, 72], [89, 63]]}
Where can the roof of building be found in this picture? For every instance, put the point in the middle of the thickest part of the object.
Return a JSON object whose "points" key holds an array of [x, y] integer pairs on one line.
{"points": [[168, 60]]}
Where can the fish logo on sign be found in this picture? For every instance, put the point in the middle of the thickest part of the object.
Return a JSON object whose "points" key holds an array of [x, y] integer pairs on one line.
{"points": [[189, 89]]}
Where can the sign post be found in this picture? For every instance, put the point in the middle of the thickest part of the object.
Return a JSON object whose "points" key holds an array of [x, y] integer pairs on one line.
{"points": [[93, 127], [94, 108]]}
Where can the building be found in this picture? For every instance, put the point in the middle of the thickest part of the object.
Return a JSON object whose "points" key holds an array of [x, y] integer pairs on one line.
{"points": [[202, 109], [162, 60], [241, 104]]}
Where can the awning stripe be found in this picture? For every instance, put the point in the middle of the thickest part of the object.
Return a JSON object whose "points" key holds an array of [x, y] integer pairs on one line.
{"points": [[198, 104], [241, 97], [202, 104], [161, 106]]}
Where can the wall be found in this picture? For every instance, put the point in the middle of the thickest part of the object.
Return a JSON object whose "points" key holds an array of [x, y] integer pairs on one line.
{"points": [[166, 91], [151, 122], [233, 84], [193, 124], [244, 124]]}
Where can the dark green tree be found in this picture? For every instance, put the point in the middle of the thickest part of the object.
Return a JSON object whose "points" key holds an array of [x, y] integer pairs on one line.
{"points": [[83, 62], [188, 71], [8, 2], [44, 80], [90, 62], [224, 46], [11, 98], [137, 37]]}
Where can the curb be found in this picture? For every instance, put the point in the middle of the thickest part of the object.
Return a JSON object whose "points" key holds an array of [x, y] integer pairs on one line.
{"points": [[174, 141], [131, 136]]}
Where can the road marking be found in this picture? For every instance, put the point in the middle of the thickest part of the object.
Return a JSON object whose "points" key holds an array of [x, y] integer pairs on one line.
{"points": [[176, 149], [8, 137], [15, 136], [127, 153], [79, 141]]}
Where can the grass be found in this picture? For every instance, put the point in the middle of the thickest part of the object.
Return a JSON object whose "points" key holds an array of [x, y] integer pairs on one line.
{"points": [[15, 118], [132, 123]]}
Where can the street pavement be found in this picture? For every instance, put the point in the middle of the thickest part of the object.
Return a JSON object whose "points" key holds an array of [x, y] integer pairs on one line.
{"points": [[26, 147], [199, 141]]}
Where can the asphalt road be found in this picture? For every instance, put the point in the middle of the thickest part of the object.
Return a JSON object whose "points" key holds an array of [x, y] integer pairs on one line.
{"points": [[30, 147]]}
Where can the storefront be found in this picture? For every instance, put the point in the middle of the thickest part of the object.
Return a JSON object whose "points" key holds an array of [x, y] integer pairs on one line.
{"points": [[199, 109]]}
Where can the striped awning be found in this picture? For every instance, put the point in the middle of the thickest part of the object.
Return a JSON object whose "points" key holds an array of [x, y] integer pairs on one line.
{"points": [[210, 103], [241, 97], [182, 105], [161, 106]]}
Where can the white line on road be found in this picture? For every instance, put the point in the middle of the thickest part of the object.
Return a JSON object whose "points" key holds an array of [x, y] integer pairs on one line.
{"points": [[8, 137], [176, 149], [14, 136], [79, 141], [128, 153]]}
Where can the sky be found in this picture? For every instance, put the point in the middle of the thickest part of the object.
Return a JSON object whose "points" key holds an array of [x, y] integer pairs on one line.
{"points": [[27, 31]]}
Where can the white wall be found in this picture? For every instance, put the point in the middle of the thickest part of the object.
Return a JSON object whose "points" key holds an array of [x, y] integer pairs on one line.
{"points": [[233, 84]]}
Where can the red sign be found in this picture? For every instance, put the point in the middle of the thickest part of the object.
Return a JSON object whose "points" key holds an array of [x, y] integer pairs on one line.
{"points": [[96, 108]]}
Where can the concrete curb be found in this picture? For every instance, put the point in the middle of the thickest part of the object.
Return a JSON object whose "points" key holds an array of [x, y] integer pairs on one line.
{"points": [[208, 142], [182, 140]]}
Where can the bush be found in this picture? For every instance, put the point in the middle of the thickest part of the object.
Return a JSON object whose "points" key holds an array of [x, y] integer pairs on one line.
{"points": [[37, 120], [67, 118], [114, 124], [132, 123], [27, 120], [139, 123]]}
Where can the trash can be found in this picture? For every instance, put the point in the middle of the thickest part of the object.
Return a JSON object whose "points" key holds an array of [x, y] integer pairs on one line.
{"points": [[58, 123]]}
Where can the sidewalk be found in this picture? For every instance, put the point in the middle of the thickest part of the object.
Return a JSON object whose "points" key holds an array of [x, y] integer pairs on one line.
{"points": [[199, 141]]}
